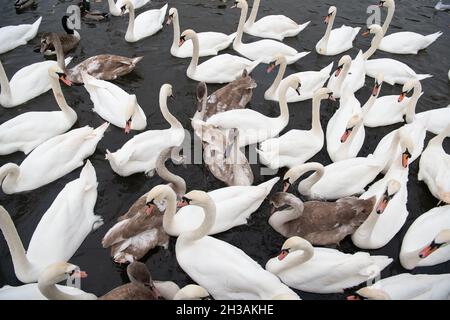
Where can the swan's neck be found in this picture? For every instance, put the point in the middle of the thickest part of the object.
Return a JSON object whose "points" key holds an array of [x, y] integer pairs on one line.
{"points": [[279, 77], [342, 75], [251, 19], [60, 55], [113, 8], [369, 104], [326, 37], [12, 172], [51, 292], [240, 30], [392, 150], [316, 126], [389, 17], [298, 257], [194, 61], [311, 180], [439, 139], [284, 109], [412, 258], [174, 123], [59, 97], [279, 219], [178, 183], [130, 29], [412, 103], [22, 265], [373, 46], [5, 92], [176, 32], [169, 214], [209, 209]]}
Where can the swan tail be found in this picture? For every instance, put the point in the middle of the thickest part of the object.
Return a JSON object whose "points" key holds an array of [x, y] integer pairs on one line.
{"points": [[268, 185], [163, 13], [134, 61], [34, 29], [298, 56], [89, 176], [423, 76], [100, 131], [301, 27], [433, 37], [377, 265]]}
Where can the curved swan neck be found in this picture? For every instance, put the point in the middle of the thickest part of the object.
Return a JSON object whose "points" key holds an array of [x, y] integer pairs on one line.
{"points": [[22, 266], [240, 30], [179, 185], [165, 111], [369, 103], [326, 37], [195, 55], [209, 209], [130, 29], [343, 75], [113, 8], [4, 82], [279, 77], [297, 258], [176, 31], [316, 126], [389, 17], [10, 170], [304, 168], [59, 53], [279, 219], [284, 109], [171, 210], [251, 19], [412, 103], [375, 43], [59, 97]]}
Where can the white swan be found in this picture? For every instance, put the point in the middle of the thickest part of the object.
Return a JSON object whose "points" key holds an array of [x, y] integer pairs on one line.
{"points": [[51, 160], [219, 69], [311, 81], [339, 179], [435, 120], [48, 284], [406, 286], [434, 167], [349, 73], [26, 84], [296, 146], [145, 24], [336, 41], [140, 153], [61, 230], [263, 50], [28, 130], [395, 72], [390, 212], [272, 26], [116, 8], [210, 43], [253, 126], [323, 270], [13, 36], [114, 104], [225, 271], [426, 241], [234, 206], [404, 42]]}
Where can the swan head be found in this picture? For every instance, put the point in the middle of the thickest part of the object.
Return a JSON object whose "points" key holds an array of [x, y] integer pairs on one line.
{"points": [[407, 87], [60, 271], [128, 5], [441, 240], [370, 293], [373, 29], [323, 93], [192, 292], [378, 83], [344, 61], [331, 13], [393, 187], [386, 4], [295, 173], [157, 196], [129, 112], [288, 200], [294, 244], [240, 4], [351, 124], [291, 82], [139, 275], [277, 60], [195, 197], [173, 13], [187, 35], [407, 147], [167, 90]]}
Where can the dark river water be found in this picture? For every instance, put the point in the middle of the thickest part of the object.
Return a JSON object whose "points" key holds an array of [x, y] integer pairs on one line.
{"points": [[116, 194]]}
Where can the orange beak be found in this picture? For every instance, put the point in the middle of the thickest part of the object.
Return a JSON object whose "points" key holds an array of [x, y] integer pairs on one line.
{"points": [[270, 67], [181, 42], [327, 19], [128, 127], [375, 90], [346, 134], [338, 72], [149, 209], [332, 98], [283, 254], [169, 20], [405, 159], [366, 34], [65, 80], [353, 297], [382, 205], [401, 97], [286, 186], [181, 204], [80, 274], [425, 252]]}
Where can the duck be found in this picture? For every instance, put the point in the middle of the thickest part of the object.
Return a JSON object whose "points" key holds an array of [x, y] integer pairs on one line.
{"points": [[234, 95], [26, 84], [69, 40], [223, 68], [390, 212], [336, 41], [139, 154], [253, 126], [425, 242], [61, 230], [210, 43], [434, 167], [145, 24], [216, 265], [12, 37], [394, 71], [352, 174], [349, 73], [323, 270], [311, 81], [234, 205], [296, 146], [28, 130], [319, 222], [91, 15], [261, 50], [407, 286], [272, 26], [51, 160], [21, 5], [115, 105], [115, 8], [405, 42], [103, 66]]}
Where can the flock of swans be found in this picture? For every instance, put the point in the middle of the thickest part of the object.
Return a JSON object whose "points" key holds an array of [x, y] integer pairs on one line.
{"points": [[339, 202]]}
